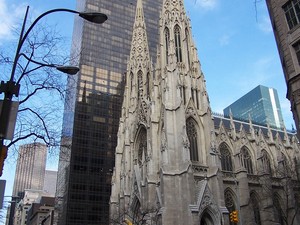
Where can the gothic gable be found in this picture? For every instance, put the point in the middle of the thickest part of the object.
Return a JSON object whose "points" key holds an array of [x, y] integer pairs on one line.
{"points": [[205, 201]]}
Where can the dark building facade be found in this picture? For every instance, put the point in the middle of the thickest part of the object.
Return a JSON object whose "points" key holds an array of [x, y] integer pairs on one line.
{"points": [[261, 104], [93, 106], [285, 18]]}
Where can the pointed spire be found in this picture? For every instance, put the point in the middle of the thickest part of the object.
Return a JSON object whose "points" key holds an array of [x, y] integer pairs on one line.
{"points": [[286, 137], [139, 64], [270, 135], [251, 128], [232, 126], [139, 14], [139, 44], [241, 127]]}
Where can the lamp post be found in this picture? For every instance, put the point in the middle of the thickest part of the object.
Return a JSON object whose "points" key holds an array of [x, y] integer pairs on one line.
{"points": [[11, 87]]}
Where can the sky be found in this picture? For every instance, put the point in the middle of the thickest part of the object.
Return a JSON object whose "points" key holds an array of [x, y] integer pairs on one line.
{"points": [[234, 38]]}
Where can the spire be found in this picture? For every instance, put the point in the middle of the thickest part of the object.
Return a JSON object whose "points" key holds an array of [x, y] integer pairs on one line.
{"points": [[251, 128], [178, 55], [139, 44], [139, 15], [270, 134], [232, 125], [174, 24], [139, 63]]}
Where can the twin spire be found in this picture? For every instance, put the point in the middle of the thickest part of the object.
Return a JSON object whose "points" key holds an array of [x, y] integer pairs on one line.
{"points": [[176, 49], [139, 45]]}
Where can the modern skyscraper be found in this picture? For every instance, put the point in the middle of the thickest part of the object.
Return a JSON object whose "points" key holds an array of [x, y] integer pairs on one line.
{"points": [[261, 105], [285, 19], [93, 106], [30, 170]]}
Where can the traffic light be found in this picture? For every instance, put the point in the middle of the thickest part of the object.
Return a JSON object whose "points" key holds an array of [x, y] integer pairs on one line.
{"points": [[3, 155], [234, 216], [231, 217], [128, 222]]}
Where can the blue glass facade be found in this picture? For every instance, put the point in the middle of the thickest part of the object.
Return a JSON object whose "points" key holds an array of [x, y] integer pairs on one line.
{"points": [[261, 105]]}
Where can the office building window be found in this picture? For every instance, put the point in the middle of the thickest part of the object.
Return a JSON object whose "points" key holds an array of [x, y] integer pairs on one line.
{"points": [[297, 51], [292, 12]]}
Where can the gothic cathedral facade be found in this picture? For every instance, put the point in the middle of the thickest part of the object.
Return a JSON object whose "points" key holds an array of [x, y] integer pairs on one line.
{"points": [[176, 162]]}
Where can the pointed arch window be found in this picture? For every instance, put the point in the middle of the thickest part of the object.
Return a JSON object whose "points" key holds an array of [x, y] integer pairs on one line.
{"points": [[255, 207], [283, 166], [192, 136], [131, 82], [229, 203], [183, 93], [197, 99], [266, 163], [140, 83], [142, 154], [226, 161], [136, 208], [167, 41], [148, 85], [177, 43], [278, 210], [187, 45], [192, 93], [246, 160], [142, 147]]}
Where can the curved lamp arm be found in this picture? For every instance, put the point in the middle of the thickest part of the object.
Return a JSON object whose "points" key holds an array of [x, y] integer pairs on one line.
{"points": [[93, 17], [11, 88], [70, 70]]}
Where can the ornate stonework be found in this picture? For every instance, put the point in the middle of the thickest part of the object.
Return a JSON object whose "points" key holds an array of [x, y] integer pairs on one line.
{"points": [[178, 164]]}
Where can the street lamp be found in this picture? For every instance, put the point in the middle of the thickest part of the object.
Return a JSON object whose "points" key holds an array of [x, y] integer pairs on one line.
{"points": [[12, 87]]}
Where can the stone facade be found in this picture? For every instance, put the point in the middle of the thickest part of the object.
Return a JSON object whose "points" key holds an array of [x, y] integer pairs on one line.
{"points": [[287, 36], [176, 162]]}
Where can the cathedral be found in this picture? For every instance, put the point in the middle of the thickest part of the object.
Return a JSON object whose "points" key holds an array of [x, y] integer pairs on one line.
{"points": [[178, 163]]}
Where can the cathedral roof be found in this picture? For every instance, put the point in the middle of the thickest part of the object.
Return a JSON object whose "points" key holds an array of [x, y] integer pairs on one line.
{"points": [[246, 126]]}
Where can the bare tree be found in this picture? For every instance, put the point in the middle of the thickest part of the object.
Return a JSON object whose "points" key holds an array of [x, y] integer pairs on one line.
{"points": [[281, 191], [42, 88], [149, 217]]}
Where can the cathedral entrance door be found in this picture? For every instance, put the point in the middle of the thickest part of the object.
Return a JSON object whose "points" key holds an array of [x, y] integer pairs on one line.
{"points": [[206, 219]]}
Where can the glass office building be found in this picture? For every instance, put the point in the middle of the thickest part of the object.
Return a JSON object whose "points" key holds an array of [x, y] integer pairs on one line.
{"points": [[260, 104], [93, 106]]}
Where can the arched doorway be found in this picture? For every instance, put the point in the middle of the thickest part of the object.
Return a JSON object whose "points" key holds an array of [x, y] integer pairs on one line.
{"points": [[206, 219]]}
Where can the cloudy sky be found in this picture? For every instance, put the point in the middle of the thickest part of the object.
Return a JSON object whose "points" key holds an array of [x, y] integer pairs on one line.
{"points": [[235, 43]]}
